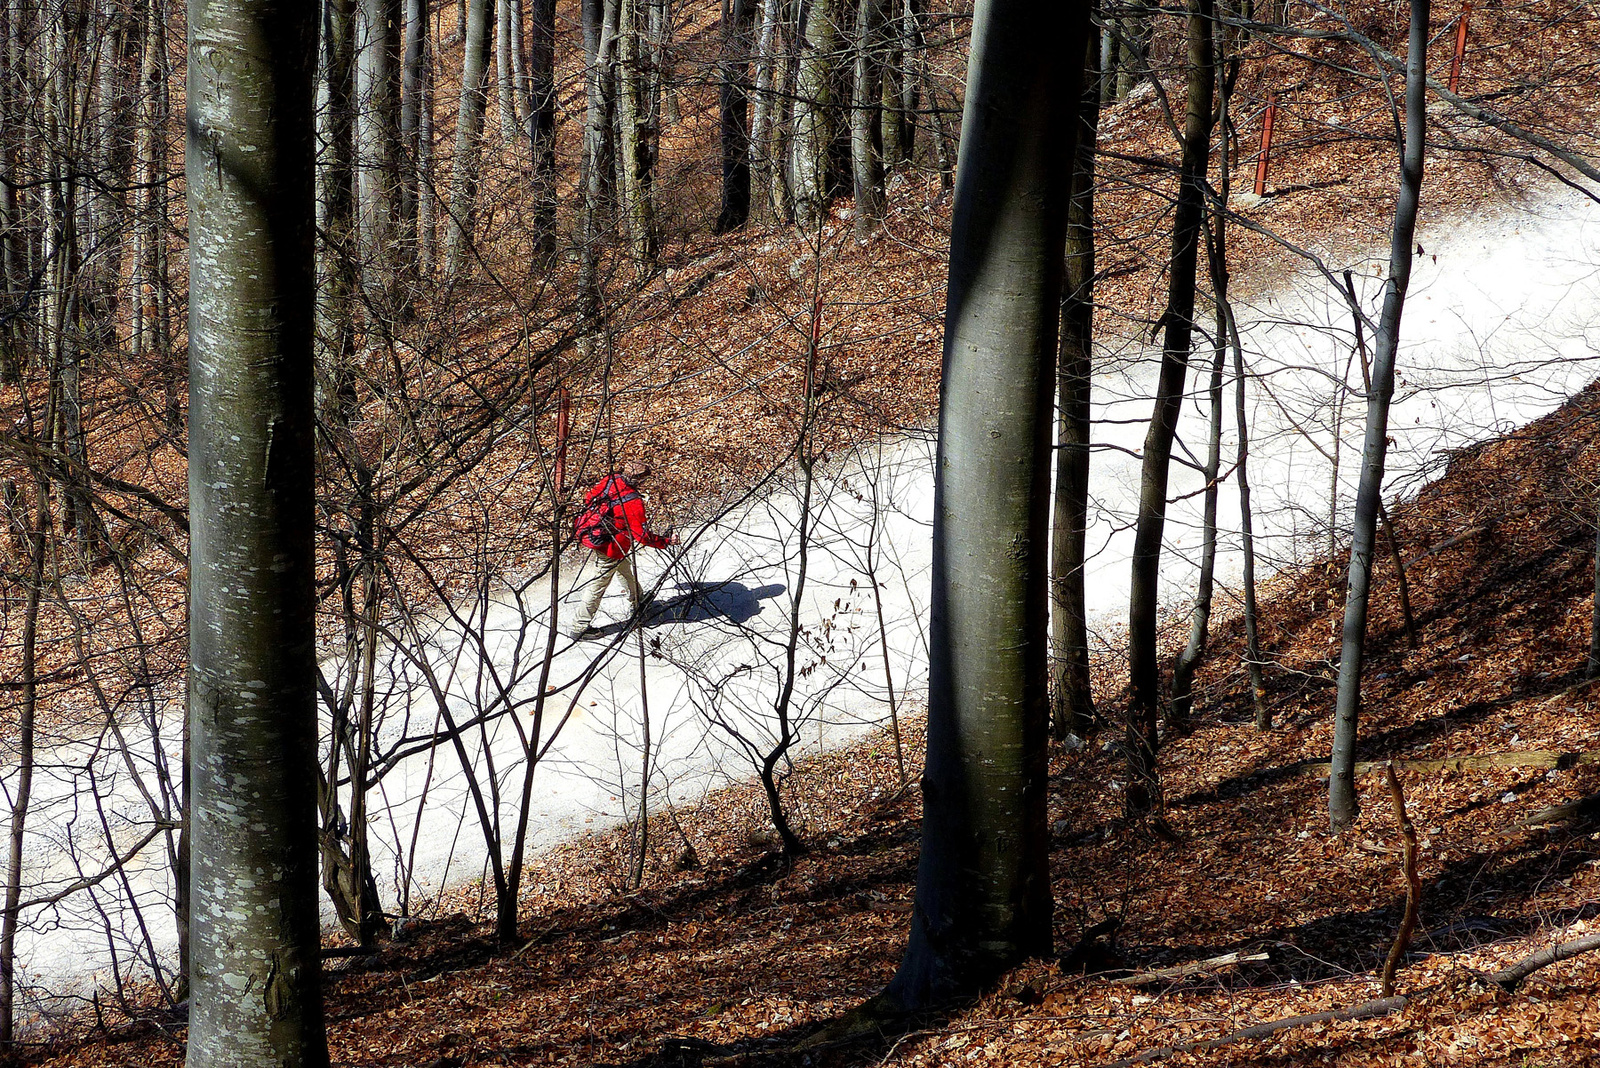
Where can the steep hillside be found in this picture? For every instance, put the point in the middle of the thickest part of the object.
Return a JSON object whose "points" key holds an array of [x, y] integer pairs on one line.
{"points": [[729, 957]]}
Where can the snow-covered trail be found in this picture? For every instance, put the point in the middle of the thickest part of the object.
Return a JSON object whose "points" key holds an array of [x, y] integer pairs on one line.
{"points": [[1502, 325]]}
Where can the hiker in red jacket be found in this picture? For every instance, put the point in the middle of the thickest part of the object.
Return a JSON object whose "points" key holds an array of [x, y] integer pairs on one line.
{"points": [[612, 522]]}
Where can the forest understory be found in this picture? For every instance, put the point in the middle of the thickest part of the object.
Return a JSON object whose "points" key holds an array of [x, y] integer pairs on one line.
{"points": [[729, 955], [1229, 908]]}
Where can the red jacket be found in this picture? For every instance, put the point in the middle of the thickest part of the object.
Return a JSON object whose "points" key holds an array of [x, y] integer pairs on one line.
{"points": [[628, 521]]}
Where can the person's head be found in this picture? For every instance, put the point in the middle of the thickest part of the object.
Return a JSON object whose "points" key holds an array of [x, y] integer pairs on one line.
{"points": [[635, 470]]}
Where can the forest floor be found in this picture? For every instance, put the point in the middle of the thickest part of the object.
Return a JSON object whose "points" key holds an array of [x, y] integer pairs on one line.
{"points": [[730, 956]]}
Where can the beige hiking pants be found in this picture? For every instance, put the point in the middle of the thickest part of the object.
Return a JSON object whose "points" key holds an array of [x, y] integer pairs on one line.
{"points": [[594, 575]]}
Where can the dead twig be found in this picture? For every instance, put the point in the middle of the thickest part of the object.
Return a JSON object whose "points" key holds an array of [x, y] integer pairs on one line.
{"points": [[1408, 923]]}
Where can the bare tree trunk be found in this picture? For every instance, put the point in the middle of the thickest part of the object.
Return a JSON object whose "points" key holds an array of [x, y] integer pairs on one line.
{"points": [[600, 35], [763, 121], [1144, 669], [505, 72], [1072, 702], [1194, 651], [413, 101], [469, 134], [734, 93], [866, 119], [378, 155], [813, 112], [1342, 807], [542, 120], [10, 917], [983, 888], [251, 211], [635, 146]]}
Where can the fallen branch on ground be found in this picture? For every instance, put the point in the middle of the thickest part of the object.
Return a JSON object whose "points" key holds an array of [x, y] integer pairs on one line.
{"points": [[1183, 971], [1530, 758], [1510, 978], [1364, 1011]]}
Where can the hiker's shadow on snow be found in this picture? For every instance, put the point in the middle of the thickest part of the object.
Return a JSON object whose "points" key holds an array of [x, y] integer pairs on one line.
{"points": [[703, 602]]}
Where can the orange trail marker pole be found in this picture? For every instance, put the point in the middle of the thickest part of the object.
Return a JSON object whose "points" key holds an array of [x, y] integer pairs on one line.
{"points": [[1266, 146], [1461, 46], [563, 417]]}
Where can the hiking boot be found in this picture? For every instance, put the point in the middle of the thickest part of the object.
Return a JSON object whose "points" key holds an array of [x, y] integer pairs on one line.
{"points": [[586, 634]]}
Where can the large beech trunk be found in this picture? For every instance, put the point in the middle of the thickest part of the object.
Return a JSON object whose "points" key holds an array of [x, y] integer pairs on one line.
{"points": [[252, 707], [983, 888]]}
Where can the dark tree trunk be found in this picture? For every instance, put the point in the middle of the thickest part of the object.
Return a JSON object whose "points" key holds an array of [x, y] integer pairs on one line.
{"points": [[1144, 669], [983, 889], [469, 134], [1072, 702], [866, 121], [1342, 807], [542, 118], [252, 708], [734, 95]]}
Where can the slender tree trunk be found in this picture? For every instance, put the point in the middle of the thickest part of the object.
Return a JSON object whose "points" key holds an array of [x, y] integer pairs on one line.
{"points": [[1194, 651], [10, 918], [1591, 667], [600, 34], [413, 94], [427, 192], [1072, 700], [1144, 669], [253, 715], [337, 182], [635, 145], [983, 888], [762, 119], [734, 93], [866, 120], [505, 72], [542, 120], [378, 154], [813, 112], [1342, 807], [469, 134]]}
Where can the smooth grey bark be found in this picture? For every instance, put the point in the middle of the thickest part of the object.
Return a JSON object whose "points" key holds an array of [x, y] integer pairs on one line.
{"points": [[733, 89], [1072, 701], [1342, 806], [413, 100], [378, 149], [600, 36], [505, 72], [336, 181], [255, 967], [469, 133], [983, 889], [1144, 669], [636, 102], [763, 122], [813, 112], [866, 121]]}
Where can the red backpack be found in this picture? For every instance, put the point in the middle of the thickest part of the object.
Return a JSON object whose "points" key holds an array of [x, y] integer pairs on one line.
{"points": [[602, 515]]}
